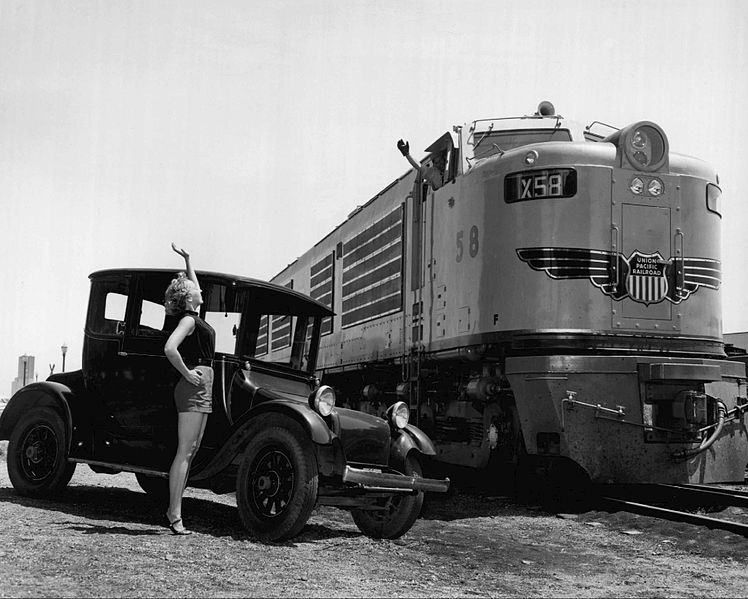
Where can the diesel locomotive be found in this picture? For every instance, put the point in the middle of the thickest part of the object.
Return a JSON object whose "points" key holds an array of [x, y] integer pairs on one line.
{"points": [[538, 292]]}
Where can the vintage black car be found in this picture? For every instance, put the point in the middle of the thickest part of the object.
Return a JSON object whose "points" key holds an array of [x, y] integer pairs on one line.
{"points": [[275, 436]]}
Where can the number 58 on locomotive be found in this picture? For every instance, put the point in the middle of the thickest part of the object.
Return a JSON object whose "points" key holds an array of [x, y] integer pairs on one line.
{"points": [[540, 292]]}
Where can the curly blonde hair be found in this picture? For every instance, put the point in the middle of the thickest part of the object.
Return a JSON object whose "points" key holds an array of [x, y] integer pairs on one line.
{"points": [[175, 297]]}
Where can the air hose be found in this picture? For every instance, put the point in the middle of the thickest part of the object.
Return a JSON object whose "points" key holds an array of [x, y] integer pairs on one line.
{"points": [[706, 444]]}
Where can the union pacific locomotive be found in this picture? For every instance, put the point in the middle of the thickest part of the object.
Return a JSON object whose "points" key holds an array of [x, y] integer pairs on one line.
{"points": [[538, 292]]}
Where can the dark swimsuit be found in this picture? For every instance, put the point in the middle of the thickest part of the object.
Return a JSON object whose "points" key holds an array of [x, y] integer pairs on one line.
{"points": [[197, 352]]}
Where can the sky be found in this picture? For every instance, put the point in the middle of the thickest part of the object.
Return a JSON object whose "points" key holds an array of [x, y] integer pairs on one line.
{"points": [[245, 131]]}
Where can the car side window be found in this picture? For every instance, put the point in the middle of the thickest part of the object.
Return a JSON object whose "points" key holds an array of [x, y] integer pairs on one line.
{"points": [[152, 317], [115, 306], [226, 326], [108, 305]]}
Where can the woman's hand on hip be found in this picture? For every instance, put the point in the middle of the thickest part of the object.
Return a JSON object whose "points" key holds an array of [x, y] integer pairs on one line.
{"points": [[194, 377]]}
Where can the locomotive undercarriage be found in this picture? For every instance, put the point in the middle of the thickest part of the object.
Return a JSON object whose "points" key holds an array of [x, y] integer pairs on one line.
{"points": [[465, 407], [565, 418]]}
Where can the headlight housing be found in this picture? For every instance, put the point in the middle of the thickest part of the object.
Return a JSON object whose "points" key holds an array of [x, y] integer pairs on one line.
{"points": [[655, 187], [636, 186], [642, 146], [323, 400], [398, 414]]}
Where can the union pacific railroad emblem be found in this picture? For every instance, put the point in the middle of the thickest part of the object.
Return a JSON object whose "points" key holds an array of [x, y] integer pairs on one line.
{"points": [[645, 278]]}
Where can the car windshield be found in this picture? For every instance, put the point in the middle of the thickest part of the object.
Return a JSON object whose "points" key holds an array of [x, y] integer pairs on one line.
{"points": [[250, 321], [496, 142]]}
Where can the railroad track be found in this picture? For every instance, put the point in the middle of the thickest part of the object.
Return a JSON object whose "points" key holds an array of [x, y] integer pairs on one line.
{"points": [[663, 501]]}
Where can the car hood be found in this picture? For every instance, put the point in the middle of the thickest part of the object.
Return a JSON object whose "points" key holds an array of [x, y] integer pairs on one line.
{"points": [[365, 438]]}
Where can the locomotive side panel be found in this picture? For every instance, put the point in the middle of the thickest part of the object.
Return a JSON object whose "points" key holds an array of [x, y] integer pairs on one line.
{"points": [[359, 270]]}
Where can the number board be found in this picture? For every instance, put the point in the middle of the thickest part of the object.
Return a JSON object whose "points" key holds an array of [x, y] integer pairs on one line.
{"points": [[537, 185]]}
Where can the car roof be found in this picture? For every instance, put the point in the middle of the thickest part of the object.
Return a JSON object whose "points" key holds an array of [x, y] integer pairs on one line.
{"points": [[218, 277]]}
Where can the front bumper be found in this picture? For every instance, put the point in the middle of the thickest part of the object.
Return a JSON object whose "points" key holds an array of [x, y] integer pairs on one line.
{"points": [[382, 481]]}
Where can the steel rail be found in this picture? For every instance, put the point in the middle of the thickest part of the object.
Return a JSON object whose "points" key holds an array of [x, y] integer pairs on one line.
{"points": [[716, 489], [677, 516], [723, 496]]}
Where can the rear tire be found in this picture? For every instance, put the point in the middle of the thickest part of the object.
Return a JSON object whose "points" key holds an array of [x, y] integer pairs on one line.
{"points": [[37, 454], [396, 514]]}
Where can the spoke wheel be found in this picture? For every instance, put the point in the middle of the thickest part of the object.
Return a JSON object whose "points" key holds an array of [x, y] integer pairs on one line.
{"points": [[271, 482], [37, 458], [277, 481], [394, 515]]}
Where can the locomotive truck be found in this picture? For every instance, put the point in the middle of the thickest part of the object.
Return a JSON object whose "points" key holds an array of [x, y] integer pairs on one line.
{"points": [[543, 293]]}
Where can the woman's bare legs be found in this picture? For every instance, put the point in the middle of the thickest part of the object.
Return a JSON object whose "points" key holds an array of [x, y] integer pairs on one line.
{"points": [[190, 427]]}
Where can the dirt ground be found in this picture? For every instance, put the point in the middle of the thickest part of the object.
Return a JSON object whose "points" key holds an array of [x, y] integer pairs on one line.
{"points": [[103, 538]]}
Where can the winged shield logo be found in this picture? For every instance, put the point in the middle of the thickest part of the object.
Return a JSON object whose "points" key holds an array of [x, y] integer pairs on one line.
{"points": [[645, 278], [646, 281]]}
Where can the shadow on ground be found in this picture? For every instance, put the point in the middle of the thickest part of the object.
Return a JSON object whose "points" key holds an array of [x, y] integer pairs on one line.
{"points": [[100, 506]]}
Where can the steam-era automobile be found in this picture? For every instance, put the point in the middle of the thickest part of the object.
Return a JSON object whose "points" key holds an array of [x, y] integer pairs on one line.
{"points": [[275, 435]]}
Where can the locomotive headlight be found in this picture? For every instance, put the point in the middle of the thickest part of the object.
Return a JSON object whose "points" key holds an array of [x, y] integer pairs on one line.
{"points": [[531, 157], [642, 146], [655, 187], [398, 414], [323, 400], [636, 186]]}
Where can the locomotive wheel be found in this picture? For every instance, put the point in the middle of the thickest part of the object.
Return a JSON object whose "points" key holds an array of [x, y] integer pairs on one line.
{"points": [[278, 481], [155, 487], [396, 514], [37, 457]]}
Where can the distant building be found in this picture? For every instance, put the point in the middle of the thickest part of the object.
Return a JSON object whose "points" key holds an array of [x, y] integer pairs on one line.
{"points": [[739, 340], [25, 373]]}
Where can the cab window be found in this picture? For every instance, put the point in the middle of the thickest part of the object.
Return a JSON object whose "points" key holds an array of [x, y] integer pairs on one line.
{"points": [[496, 142]]}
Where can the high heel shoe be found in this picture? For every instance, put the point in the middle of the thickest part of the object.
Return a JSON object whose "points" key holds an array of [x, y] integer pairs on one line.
{"points": [[177, 531]]}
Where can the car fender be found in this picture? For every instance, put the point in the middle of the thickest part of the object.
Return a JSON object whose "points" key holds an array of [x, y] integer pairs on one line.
{"points": [[310, 421], [37, 395], [410, 438]]}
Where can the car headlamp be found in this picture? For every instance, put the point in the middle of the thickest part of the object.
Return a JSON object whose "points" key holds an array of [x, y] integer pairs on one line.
{"points": [[323, 400], [398, 414]]}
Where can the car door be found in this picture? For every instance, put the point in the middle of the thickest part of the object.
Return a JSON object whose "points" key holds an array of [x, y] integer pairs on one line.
{"points": [[130, 378]]}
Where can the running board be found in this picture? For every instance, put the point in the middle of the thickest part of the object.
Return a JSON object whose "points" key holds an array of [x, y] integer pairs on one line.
{"points": [[121, 467]]}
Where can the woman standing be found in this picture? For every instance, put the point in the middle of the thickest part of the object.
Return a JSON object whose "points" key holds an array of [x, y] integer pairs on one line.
{"points": [[190, 350]]}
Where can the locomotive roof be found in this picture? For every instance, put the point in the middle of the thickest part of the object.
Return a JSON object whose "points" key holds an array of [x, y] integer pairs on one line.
{"points": [[218, 277]]}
